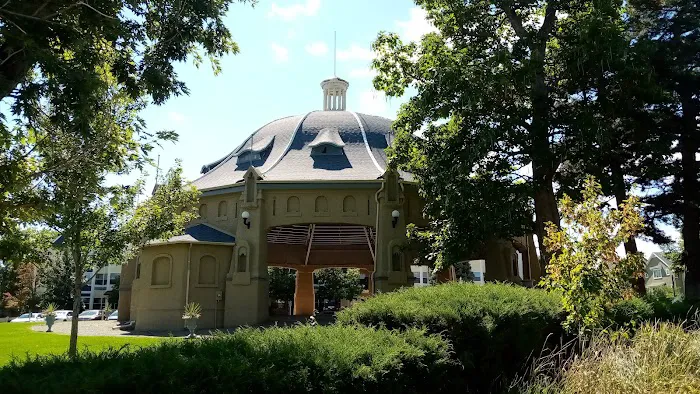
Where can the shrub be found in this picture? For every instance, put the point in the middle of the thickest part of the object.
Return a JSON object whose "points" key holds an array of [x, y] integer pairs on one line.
{"points": [[275, 360], [493, 328], [661, 358], [657, 304]]}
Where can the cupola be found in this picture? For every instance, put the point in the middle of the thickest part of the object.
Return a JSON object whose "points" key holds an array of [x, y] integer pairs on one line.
{"points": [[334, 94]]}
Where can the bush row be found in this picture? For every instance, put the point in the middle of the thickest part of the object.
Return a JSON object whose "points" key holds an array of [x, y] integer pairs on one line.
{"points": [[494, 329], [276, 360], [658, 304]]}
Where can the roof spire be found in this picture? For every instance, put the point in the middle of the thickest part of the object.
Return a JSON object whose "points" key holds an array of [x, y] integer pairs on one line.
{"points": [[334, 53]]}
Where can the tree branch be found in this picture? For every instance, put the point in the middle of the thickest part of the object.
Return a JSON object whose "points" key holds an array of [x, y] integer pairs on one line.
{"points": [[515, 21]]}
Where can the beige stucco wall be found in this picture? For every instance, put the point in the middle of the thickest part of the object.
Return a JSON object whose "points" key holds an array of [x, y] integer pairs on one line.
{"points": [[242, 297]]}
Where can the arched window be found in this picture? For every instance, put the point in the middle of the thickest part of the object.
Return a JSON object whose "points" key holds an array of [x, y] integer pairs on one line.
{"points": [[293, 205], [242, 261], [203, 211], [349, 204], [160, 271], [321, 205], [223, 209], [207, 270], [396, 259]]}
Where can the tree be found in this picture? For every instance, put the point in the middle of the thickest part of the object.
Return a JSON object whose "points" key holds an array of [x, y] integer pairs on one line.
{"points": [[282, 283], [105, 227], [57, 278], [491, 72], [585, 267], [667, 32], [25, 296], [113, 294], [338, 283], [53, 55]]}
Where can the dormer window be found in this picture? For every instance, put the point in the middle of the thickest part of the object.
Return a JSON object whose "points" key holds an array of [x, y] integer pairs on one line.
{"points": [[327, 142], [254, 152]]}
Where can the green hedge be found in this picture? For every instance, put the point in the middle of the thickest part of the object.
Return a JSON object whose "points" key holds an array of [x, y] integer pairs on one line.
{"points": [[275, 360], [658, 304], [494, 328]]}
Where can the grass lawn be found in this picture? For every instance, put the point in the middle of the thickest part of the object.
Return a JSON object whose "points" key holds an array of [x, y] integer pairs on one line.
{"points": [[18, 340]]}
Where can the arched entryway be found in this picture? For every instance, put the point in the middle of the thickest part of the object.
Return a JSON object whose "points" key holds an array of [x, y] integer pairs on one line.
{"points": [[309, 247]]}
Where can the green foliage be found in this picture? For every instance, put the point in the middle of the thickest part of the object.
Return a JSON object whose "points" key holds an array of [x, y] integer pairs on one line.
{"points": [[276, 360], [282, 283], [338, 284], [192, 311], [57, 279], [493, 329], [585, 267], [50, 310]]}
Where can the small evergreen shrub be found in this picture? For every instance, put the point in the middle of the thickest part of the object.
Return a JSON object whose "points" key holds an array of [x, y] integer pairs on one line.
{"points": [[276, 360], [494, 328], [656, 305]]}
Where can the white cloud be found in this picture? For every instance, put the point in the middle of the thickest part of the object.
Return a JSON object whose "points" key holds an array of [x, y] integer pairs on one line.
{"points": [[362, 73], [281, 53], [291, 12], [318, 48], [356, 52], [373, 102], [416, 26], [291, 34], [176, 117]]}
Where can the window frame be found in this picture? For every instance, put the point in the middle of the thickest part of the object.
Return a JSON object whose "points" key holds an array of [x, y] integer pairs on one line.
{"points": [[170, 272], [656, 270], [216, 271]]}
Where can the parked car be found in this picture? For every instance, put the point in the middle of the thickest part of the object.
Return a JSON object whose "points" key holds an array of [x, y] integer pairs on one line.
{"points": [[64, 315], [114, 315], [28, 317], [91, 314]]}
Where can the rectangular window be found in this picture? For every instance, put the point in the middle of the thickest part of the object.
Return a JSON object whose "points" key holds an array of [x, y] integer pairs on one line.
{"points": [[100, 280], [477, 276], [113, 278], [657, 273], [98, 303]]}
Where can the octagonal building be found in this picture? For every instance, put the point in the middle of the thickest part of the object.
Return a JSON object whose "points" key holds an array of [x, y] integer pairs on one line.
{"points": [[304, 192]]}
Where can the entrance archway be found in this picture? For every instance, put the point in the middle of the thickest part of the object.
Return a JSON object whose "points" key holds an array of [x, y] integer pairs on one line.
{"points": [[308, 247]]}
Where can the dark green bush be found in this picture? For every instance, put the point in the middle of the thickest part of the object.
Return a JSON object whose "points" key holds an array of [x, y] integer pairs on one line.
{"points": [[658, 304], [494, 328], [276, 360]]}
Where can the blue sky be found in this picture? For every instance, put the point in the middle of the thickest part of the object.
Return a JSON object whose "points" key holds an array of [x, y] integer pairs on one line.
{"points": [[286, 50]]}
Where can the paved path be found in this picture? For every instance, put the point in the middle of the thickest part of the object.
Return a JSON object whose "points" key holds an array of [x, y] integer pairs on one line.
{"points": [[102, 328]]}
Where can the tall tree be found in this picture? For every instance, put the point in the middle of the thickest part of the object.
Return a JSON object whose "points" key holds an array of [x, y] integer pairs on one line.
{"points": [[490, 71], [668, 31], [57, 278], [52, 54], [24, 296]]}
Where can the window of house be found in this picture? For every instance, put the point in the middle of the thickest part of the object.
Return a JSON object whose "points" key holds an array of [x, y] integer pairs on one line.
{"points": [[657, 273], [223, 209], [477, 276], [396, 259], [160, 274], [98, 303], [100, 280], [113, 278]]}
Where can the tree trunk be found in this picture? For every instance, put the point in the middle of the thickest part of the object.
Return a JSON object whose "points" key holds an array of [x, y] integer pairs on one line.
{"points": [[620, 190], [543, 161], [14, 68], [690, 212], [77, 285]]}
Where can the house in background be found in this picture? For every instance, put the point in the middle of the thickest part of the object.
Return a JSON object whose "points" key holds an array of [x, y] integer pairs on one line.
{"points": [[97, 284], [658, 273]]}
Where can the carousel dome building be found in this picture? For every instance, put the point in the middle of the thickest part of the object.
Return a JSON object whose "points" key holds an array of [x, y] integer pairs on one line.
{"points": [[304, 192]]}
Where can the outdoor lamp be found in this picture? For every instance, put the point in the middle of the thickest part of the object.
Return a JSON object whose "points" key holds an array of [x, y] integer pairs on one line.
{"points": [[395, 217], [246, 215]]}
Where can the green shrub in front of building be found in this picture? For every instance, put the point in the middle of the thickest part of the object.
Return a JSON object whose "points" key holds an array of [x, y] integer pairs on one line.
{"points": [[494, 329], [335, 359]]}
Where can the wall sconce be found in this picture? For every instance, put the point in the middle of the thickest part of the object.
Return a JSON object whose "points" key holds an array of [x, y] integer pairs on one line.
{"points": [[395, 218], [246, 215]]}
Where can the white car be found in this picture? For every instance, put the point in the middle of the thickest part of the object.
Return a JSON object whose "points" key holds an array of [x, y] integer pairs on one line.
{"points": [[114, 315], [64, 315], [28, 317], [92, 314]]}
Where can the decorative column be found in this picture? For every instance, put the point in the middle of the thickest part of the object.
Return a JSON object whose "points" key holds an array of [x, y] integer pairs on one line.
{"points": [[304, 297], [393, 266], [247, 287]]}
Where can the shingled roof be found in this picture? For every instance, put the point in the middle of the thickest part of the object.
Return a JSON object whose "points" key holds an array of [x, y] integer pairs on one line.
{"points": [[286, 145]]}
